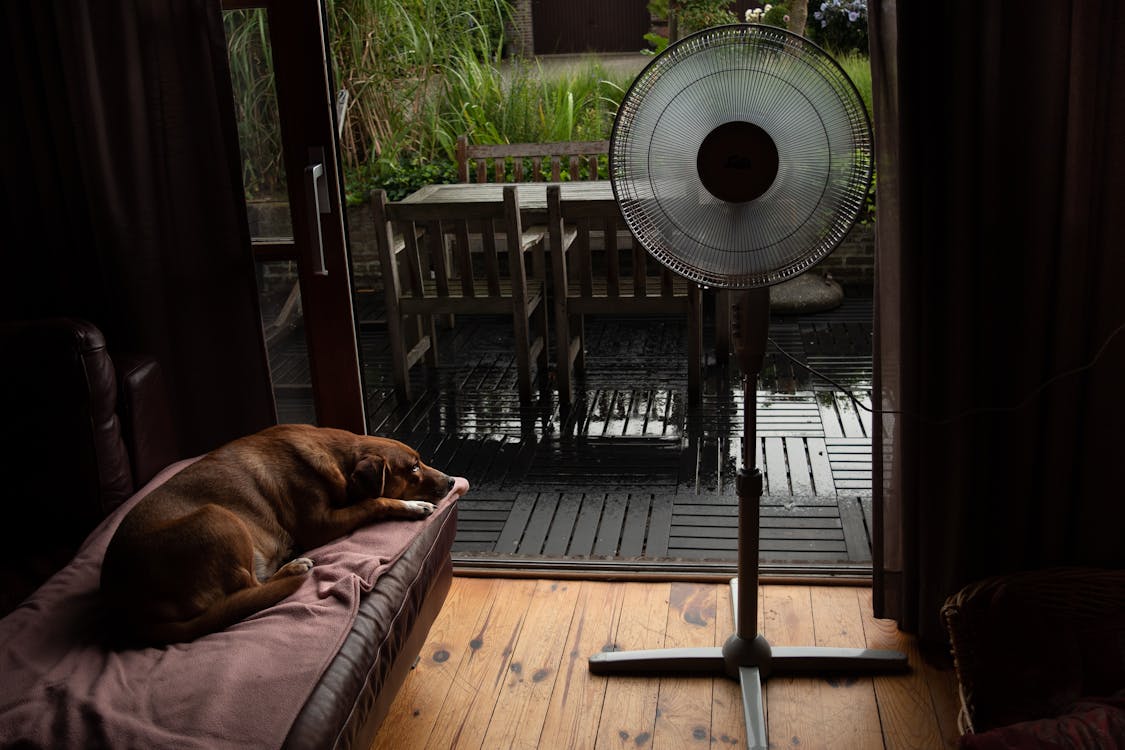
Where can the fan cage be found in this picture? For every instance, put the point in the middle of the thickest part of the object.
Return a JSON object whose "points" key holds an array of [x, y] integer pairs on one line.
{"points": [[745, 257]]}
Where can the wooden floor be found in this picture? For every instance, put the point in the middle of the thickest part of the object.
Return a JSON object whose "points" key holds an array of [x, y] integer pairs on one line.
{"points": [[633, 472], [505, 666]]}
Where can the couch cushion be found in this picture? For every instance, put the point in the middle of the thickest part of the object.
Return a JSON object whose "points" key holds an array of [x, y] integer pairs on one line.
{"points": [[1029, 645]]}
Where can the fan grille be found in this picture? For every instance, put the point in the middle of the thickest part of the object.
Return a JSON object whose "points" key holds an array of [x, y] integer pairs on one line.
{"points": [[772, 79]]}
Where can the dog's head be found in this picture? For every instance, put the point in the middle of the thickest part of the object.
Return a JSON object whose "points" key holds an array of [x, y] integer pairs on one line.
{"points": [[388, 468]]}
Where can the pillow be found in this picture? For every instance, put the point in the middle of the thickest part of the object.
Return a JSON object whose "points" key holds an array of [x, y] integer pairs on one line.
{"points": [[1090, 724]]}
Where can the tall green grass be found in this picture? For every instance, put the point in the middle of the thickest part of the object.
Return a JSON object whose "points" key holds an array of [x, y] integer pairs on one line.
{"points": [[251, 70], [525, 104], [858, 68]]}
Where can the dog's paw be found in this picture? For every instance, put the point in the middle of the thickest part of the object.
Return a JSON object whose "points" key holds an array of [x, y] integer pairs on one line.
{"points": [[420, 507], [297, 567]]}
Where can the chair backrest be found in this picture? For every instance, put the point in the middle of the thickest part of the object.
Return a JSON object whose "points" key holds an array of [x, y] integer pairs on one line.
{"points": [[598, 271], [473, 160], [455, 255]]}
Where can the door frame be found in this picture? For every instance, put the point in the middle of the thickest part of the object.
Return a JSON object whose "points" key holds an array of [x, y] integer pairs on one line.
{"points": [[309, 136]]}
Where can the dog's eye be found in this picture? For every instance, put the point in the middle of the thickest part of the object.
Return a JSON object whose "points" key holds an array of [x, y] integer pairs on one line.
{"points": [[415, 468]]}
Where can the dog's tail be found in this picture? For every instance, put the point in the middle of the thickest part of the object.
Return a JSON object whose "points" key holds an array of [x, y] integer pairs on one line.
{"points": [[224, 612]]}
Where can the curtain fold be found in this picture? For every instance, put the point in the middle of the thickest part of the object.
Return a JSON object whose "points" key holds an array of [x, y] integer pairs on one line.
{"points": [[123, 197], [1000, 146]]}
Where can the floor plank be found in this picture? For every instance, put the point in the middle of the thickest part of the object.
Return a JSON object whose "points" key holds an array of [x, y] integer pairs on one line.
{"points": [[906, 708], [415, 711], [683, 702], [633, 700], [518, 716], [476, 684], [576, 704], [463, 718]]}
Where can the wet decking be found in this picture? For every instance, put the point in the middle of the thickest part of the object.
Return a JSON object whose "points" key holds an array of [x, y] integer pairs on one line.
{"points": [[633, 476]]}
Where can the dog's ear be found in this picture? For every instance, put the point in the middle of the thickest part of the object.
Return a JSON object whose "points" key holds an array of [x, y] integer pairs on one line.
{"points": [[367, 477]]}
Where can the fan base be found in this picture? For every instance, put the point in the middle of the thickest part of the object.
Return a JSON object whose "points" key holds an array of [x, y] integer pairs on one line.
{"points": [[751, 662]]}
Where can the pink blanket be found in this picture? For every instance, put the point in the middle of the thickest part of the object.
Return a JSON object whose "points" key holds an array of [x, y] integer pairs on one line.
{"points": [[243, 687]]}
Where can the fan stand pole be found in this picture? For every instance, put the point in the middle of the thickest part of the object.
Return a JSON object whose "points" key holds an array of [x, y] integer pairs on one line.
{"points": [[746, 655]]}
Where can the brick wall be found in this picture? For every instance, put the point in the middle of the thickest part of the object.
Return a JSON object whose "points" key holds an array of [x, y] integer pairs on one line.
{"points": [[518, 31], [853, 262]]}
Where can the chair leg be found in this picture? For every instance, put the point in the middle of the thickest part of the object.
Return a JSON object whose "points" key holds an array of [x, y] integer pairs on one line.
{"points": [[399, 365], [564, 368], [695, 344], [543, 334], [522, 330], [426, 328], [722, 327], [578, 326]]}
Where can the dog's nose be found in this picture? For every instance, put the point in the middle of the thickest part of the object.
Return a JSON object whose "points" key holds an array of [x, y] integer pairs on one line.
{"points": [[449, 486]]}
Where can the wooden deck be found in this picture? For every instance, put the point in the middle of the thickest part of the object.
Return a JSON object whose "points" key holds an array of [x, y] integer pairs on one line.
{"points": [[632, 476], [505, 666]]}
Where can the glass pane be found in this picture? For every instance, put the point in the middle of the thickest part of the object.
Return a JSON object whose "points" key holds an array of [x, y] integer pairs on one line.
{"points": [[259, 134], [263, 175], [284, 326]]}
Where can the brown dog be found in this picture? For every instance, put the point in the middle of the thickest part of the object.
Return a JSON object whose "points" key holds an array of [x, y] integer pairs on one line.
{"points": [[209, 547]]}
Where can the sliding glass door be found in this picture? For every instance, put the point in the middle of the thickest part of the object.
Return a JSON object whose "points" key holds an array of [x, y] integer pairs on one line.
{"points": [[285, 105]]}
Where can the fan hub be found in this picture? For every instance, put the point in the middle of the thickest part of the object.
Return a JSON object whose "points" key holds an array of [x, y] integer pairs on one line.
{"points": [[737, 162]]}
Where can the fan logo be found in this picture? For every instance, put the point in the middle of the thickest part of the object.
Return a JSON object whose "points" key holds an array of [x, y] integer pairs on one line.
{"points": [[738, 161]]}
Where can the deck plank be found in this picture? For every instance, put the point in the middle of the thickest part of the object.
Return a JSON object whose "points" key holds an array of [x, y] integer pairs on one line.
{"points": [[609, 530], [562, 524], [586, 525], [513, 531]]}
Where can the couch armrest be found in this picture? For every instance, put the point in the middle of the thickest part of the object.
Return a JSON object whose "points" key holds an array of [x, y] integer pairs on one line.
{"points": [[146, 416], [58, 399], [61, 442]]}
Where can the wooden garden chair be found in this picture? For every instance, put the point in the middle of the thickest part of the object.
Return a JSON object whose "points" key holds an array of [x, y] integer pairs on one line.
{"points": [[614, 280], [460, 259], [473, 160]]}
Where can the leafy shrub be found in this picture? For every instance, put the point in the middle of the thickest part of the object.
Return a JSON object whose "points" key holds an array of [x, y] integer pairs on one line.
{"points": [[696, 15], [840, 26], [399, 177], [769, 15], [692, 16]]}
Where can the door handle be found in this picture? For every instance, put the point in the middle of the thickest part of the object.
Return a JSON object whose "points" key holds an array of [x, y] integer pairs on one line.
{"points": [[317, 203]]}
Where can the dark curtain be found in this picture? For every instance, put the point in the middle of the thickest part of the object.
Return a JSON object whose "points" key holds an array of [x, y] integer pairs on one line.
{"points": [[1000, 131], [123, 201]]}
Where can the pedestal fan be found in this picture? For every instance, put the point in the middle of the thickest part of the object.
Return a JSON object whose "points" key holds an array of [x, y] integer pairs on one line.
{"points": [[740, 157]]}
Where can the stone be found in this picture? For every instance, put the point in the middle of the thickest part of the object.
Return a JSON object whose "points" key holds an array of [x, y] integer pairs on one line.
{"points": [[811, 292]]}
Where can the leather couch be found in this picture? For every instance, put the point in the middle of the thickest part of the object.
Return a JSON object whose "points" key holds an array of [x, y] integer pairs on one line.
{"points": [[84, 428]]}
